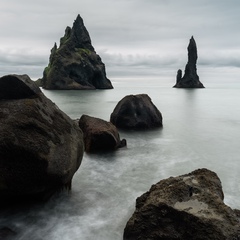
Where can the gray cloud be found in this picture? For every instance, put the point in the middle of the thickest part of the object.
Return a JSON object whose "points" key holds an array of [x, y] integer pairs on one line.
{"points": [[131, 36]]}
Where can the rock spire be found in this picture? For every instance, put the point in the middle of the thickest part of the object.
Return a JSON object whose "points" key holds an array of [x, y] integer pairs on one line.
{"points": [[190, 78], [75, 64]]}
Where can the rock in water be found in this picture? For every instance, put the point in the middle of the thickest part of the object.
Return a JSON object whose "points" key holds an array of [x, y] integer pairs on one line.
{"points": [[99, 135], [185, 207], [190, 78], [75, 64], [136, 112], [40, 146]]}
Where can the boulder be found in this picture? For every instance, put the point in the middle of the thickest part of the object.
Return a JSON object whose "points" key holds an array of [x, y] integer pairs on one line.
{"points": [[185, 207], [99, 135], [136, 112], [75, 64], [40, 146], [190, 78]]}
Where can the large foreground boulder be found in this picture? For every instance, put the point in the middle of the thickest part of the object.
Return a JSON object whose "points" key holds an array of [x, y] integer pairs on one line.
{"points": [[99, 135], [75, 64], [136, 112], [190, 78], [40, 146], [186, 207]]}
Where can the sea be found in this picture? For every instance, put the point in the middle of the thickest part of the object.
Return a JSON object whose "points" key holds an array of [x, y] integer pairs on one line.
{"points": [[201, 129]]}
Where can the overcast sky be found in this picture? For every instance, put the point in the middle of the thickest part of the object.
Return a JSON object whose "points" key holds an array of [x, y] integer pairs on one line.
{"points": [[146, 37]]}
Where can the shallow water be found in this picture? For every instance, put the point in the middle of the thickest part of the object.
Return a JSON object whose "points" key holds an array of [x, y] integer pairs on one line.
{"points": [[201, 129]]}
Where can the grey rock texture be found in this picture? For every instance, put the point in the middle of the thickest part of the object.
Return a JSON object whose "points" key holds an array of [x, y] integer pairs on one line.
{"points": [[136, 112], [99, 135], [185, 207], [75, 64], [190, 78], [40, 146]]}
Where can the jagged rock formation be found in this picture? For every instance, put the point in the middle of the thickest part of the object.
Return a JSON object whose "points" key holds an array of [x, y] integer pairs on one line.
{"points": [[190, 78], [136, 112], [75, 64], [40, 146], [185, 207], [99, 135]]}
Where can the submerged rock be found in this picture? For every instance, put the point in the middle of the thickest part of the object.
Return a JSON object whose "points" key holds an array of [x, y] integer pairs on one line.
{"points": [[40, 146], [99, 135], [136, 112], [185, 207], [190, 78], [75, 64]]}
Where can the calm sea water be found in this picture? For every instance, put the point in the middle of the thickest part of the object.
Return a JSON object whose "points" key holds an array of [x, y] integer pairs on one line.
{"points": [[201, 130]]}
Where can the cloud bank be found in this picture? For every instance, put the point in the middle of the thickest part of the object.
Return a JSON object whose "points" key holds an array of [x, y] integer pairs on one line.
{"points": [[131, 36]]}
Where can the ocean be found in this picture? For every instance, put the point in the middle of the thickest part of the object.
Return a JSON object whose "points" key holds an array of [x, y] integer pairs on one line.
{"points": [[201, 129]]}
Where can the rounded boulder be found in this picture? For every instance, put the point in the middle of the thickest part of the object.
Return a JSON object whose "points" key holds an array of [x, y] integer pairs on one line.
{"points": [[40, 146], [136, 112]]}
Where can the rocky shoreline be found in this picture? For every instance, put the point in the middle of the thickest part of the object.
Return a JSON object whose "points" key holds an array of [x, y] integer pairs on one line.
{"points": [[41, 148]]}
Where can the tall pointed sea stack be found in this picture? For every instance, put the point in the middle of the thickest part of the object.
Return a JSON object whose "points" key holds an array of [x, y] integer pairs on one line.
{"points": [[190, 78], [75, 64]]}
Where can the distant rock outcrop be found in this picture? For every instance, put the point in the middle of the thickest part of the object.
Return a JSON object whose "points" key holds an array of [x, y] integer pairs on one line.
{"points": [[136, 112], [190, 78], [185, 207], [40, 146], [99, 135], [75, 64]]}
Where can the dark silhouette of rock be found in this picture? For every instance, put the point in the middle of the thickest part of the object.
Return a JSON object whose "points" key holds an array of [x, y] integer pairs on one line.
{"points": [[17, 87], [40, 146], [185, 207], [190, 78], [99, 135], [75, 64], [136, 112]]}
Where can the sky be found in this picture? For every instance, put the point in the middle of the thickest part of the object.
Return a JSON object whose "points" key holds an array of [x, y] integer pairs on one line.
{"points": [[133, 37]]}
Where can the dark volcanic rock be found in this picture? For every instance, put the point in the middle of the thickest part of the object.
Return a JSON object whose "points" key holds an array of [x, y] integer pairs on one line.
{"points": [[186, 207], [40, 146], [17, 87], [190, 78], [75, 64], [136, 112], [99, 135]]}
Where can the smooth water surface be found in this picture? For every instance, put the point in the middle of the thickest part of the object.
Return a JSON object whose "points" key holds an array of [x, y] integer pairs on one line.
{"points": [[201, 130]]}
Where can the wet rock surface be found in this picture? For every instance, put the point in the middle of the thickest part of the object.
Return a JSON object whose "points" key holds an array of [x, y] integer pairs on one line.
{"points": [[40, 146], [99, 135], [136, 112], [185, 207]]}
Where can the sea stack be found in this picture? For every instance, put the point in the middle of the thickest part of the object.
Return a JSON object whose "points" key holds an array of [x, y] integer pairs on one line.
{"points": [[190, 78], [75, 64]]}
